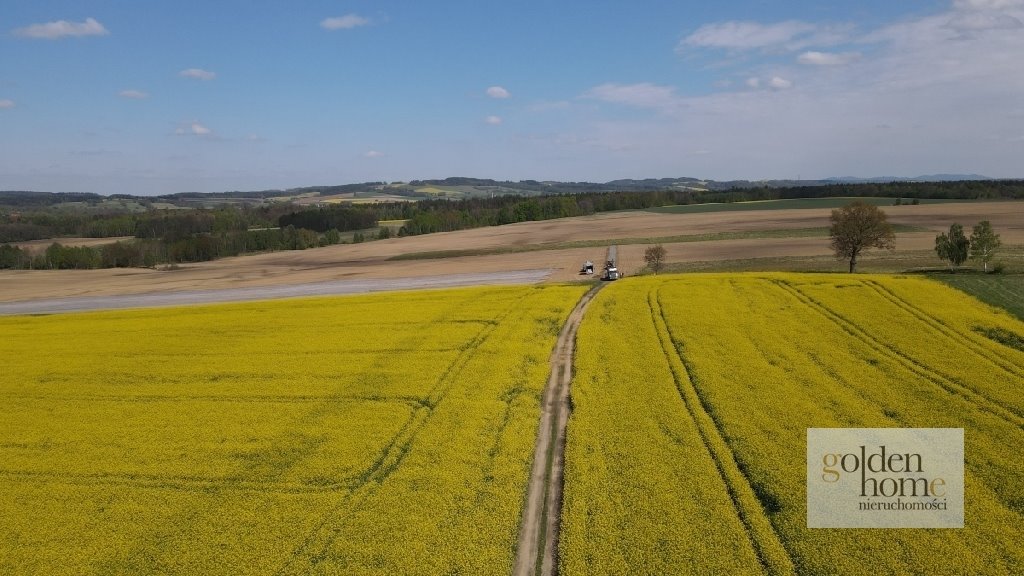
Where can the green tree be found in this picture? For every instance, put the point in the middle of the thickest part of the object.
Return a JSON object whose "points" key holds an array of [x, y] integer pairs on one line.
{"points": [[984, 242], [332, 236], [13, 257], [857, 227], [655, 258], [55, 256], [63, 257], [953, 246]]}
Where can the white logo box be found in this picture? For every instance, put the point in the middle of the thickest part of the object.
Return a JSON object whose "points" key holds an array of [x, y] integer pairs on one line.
{"points": [[885, 478]]}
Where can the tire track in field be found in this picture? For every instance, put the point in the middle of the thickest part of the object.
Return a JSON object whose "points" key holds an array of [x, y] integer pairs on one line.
{"points": [[944, 329], [413, 401], [767, 545], [332, 522], [537, 548], [956, 389], [356, 489], [234, 482], [194, 484]]}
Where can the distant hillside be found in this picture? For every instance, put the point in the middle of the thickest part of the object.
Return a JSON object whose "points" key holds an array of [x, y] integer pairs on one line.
{"points": [[925, 178], [22, 199], [453, 188]]}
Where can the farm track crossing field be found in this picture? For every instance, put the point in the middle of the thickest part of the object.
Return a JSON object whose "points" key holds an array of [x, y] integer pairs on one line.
{"points": [[692, 396], [384, 434]]}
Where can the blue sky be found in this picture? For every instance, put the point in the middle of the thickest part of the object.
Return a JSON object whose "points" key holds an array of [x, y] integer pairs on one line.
{"points": [[157, 97]]}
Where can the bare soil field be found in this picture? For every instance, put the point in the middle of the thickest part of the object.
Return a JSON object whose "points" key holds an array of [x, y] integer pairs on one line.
{"points": [[371, 260]]}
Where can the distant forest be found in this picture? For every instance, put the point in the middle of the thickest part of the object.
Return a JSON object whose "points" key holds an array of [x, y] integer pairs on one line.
{"points": [[446, 215], [164, 236]]}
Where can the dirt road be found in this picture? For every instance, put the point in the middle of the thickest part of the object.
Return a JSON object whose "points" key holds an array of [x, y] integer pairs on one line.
{"points": [[537, 551], [78, 304]]}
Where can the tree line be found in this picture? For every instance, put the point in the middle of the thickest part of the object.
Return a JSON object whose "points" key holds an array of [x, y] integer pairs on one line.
{"points": [[24, 224], [429, 216], [147, 252]]}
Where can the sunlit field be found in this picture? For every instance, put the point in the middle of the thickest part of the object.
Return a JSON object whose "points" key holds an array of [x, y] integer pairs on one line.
{"points": [[692, 396], [387, 434]]}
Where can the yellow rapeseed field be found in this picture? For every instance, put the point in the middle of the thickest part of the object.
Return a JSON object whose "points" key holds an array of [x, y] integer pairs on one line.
{"points": [[381, 434], [692, 395]]}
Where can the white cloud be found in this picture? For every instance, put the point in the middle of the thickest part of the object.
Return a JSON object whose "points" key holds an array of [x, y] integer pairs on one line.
{"points": [[746, 35], [987, 4], [197, 74], [815, 58], [949, 101], [62, 29], [6, 104], [774, 83], [979, 21], [643, 95], [374, 154], [346, 22], [493, 120], [193, 129], [133, 94], [497, 92]]}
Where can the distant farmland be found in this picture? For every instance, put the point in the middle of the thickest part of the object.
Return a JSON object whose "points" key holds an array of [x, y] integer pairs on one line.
{"points": [[788, 204]]}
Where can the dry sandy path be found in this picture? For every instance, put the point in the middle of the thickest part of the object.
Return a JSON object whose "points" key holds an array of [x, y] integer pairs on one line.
{"points": [[538, 530], [82, 303]]}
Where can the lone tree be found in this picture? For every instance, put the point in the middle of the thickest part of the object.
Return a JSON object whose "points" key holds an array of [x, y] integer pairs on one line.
{"points": [[857, 227], [953, 246], [655, 258], [984, 242]]}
